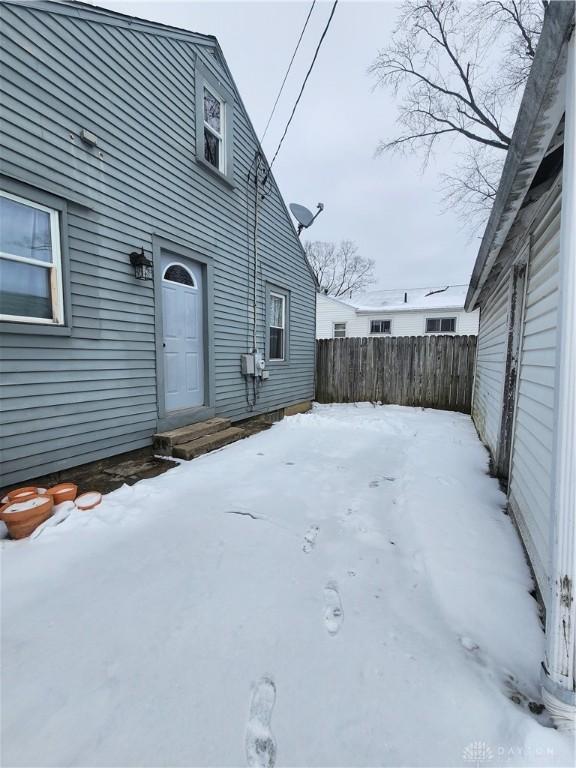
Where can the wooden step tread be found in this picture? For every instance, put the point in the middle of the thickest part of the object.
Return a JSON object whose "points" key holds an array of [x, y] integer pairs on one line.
{"points": [[164, 441], [207, 443]]}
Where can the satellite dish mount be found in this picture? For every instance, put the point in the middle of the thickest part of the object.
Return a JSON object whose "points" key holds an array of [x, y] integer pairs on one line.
{"points": [[303, 216]]}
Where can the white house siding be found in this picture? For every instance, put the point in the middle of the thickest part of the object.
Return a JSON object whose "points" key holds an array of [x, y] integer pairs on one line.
{"points": [[330, 311], [403, 323], [413, 323], [491, 366], [531, 466]]}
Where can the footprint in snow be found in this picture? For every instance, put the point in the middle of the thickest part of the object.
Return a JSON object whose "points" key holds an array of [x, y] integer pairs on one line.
{"points": [[310, 539], [468, 643], [260, 743], [333, 613], [376, 483]]}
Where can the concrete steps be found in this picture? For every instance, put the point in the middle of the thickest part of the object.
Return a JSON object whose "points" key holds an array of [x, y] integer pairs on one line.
{"points": [[196, 439], [164, 442], [205, 436], [200, 445]]}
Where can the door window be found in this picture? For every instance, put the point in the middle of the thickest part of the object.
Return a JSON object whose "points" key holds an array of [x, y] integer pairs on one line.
{"points": [[177, 273]]}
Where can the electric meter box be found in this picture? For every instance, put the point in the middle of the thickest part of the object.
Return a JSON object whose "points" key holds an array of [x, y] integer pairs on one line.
{"points": [[253, 364], [248, 364]]}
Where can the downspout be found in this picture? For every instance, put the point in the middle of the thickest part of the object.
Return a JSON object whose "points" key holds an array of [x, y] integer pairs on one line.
{"points": [[558, 678]]}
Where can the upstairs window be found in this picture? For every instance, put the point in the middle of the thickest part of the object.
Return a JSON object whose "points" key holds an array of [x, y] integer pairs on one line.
{"points": [[380, 326], [440, 325], [277, 326], [214, 124], [339, 330], [30, 262], [214, 147]]}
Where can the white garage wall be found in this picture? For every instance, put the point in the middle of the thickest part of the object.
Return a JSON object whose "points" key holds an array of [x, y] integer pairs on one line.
{"points": [[531, 465]]}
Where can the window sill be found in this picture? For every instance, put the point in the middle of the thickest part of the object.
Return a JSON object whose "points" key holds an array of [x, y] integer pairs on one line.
{"points": [[215, 172], [32, 329]]}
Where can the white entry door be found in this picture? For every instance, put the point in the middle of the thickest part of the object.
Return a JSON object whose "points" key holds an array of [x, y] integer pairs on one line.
{"points": [[182, 311]]}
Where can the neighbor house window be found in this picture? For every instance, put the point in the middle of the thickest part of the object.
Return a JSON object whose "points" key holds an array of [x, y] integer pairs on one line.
{"points": [[440, 324], [30, 262], [380, 326], [214, 147], [339, 330], [277, 326]]}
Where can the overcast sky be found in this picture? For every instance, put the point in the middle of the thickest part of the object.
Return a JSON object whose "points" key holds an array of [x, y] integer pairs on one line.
{"points": [[385, 204]]}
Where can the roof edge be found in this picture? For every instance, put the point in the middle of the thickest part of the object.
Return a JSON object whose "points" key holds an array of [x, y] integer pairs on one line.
{"points": [[101, 15], [394, 310], [533, 129]]}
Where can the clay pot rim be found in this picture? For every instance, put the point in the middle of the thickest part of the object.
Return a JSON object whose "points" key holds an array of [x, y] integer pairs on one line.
{"points": [[63, 492], [60, 487], [25, 489], [24, 514]]}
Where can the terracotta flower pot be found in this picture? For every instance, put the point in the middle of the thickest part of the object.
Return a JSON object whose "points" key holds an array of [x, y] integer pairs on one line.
{"points": [[19, 494], [63, 492], [88, 500], [23, 517]]}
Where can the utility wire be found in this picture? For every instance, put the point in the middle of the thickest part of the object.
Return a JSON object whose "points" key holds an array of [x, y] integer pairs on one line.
{"points": [[304, 84], [288, 70]]}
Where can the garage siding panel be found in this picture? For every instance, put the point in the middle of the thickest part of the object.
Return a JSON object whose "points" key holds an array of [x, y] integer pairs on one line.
{"points": [[531, 468], [491, 366]]}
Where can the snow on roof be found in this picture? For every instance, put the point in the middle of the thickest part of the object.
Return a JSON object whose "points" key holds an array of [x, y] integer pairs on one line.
{"points": [[439, 297]]}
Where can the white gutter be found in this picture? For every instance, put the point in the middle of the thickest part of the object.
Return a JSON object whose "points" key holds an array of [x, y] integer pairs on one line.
{"points": [[397, 308], [559, 684]]}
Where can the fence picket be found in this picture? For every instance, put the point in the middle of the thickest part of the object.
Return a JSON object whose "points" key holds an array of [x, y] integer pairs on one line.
{"points": [[428, 371]]}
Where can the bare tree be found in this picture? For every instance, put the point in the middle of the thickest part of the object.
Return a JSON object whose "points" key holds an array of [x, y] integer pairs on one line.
{"points": [[339, 269], [457, 70]]}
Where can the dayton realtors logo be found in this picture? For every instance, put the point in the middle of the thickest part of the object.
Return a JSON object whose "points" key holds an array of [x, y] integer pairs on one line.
{"points": [[477, 753]]}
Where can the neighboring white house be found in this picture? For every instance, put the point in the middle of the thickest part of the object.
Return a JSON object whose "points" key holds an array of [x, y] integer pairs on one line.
{"points": [[410, 312], [524, 283]]}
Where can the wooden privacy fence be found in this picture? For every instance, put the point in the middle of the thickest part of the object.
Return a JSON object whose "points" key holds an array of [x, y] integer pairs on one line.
{"points": [[426, 371]]}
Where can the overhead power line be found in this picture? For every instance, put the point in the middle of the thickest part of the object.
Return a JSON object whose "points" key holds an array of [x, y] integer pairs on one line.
{"points": [[304, 83], [288, 70]]}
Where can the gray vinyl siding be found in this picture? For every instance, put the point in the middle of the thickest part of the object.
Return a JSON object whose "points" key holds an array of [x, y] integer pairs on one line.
{"points": [[70, 399], [491, 366], [531, 466]]}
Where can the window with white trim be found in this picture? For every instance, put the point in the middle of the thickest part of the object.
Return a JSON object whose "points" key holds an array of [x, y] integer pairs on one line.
{"points": [[277, 346], [440, 325], [380, 326], [339, 330], [30, 262], [214, 127]]}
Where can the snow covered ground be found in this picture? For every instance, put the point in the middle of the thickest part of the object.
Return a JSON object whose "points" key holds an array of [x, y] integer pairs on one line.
{"points": [[342, 590]]}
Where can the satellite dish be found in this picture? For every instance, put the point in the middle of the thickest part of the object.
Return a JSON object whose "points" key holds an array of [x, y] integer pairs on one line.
{"points": [[303, 216]]}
